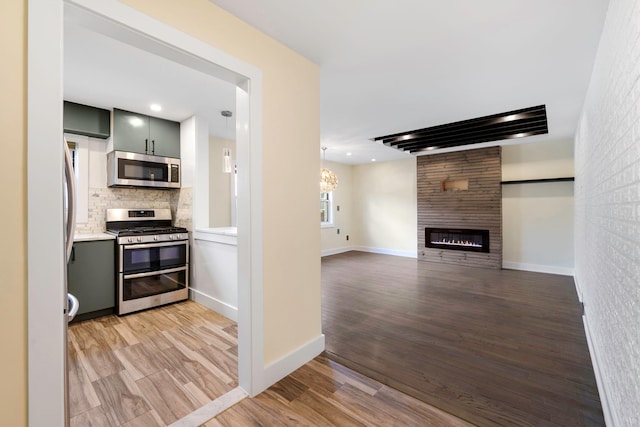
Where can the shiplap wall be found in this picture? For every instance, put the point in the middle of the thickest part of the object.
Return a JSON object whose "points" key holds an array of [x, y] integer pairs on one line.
{"points": [[479, 207]]}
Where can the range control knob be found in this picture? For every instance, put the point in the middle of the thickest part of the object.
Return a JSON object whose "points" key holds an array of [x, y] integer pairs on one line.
{"points": [[139, 239], [155, 237], [171, 237], [129, 240]]}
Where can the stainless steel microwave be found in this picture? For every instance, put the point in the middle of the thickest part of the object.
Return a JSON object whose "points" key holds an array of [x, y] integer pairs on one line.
{"points": [[142, 170]]}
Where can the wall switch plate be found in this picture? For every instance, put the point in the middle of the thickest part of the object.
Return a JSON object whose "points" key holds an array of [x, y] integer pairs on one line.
{"points": [[338, 230], [347, 237]]}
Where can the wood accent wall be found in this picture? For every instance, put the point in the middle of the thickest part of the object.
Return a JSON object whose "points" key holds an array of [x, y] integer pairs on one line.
{"points": [[479, 207]]}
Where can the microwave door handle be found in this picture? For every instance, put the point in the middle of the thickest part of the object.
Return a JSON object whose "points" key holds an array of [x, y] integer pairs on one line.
{"points": [[146, 146], [153, 146], [71, 201]]}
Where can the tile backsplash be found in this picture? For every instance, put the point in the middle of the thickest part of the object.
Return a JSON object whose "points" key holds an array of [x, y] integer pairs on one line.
{"points": [[101, 199]]}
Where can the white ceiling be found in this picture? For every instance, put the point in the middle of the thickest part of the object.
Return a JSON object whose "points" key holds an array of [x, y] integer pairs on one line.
{"points": [[107, 73], [390, 66], [386, 66]]}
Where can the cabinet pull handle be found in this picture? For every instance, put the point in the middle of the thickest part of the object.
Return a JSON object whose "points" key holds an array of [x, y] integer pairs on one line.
{"points": [[73, 254], [153, 146], [146, 146]]}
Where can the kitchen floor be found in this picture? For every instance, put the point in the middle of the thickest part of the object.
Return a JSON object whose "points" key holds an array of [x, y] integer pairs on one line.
{"points": [[150, 368]]}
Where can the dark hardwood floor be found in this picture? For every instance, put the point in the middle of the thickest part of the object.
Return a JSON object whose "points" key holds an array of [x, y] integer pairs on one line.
{"points": [[493, 347]]}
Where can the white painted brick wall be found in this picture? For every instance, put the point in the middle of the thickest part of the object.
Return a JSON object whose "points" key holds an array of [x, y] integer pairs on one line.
{"points": [[607, 210]]}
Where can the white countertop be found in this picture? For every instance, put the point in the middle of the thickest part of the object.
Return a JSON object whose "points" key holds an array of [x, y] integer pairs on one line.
{"points": [[225, 235], [226, 231], [93, 237]]}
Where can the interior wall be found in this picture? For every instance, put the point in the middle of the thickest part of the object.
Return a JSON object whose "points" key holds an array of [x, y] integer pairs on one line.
{"points": [[537, 218], [220, 182], [334, 239], [384, 207], [291, 131], [607, 213], [548, 159], [13, 304]]}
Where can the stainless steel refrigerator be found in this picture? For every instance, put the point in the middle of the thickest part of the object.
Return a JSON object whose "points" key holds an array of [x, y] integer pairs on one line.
{"points": [[72, 305]]}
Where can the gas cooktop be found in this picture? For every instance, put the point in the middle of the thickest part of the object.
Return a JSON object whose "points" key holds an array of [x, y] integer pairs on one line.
{"points": [[139, 231], [143, 225]]}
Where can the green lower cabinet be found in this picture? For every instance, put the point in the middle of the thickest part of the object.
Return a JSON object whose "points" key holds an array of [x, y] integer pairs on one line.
{"points": [[91, 278]]}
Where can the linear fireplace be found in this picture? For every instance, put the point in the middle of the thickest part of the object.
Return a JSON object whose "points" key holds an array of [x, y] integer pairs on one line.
{"points": [[457, 239]]}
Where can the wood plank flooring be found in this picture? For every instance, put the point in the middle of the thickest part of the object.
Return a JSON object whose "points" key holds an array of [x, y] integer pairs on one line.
{"points": [[149, 368], [493, 347], [325, 393], [152, 368]]}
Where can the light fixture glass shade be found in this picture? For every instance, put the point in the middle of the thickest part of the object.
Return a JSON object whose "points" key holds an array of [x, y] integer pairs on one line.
{"points": [[226, 160], [328, 180]]}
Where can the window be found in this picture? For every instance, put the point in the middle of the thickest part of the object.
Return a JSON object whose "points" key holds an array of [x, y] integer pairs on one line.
{"points": [[326, 211]]}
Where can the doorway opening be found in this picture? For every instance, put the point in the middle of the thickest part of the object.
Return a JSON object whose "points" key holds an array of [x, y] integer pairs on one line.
{"points": [[46, 265]]}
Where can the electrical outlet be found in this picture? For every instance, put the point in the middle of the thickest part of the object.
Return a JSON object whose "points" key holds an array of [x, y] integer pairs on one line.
{"points": [[338, 208]]}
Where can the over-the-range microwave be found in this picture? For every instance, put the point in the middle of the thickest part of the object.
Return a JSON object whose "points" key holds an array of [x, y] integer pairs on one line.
{"points": [[142, 170]]}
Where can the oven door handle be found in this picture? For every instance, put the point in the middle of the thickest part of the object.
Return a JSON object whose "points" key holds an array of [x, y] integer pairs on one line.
{"points": [[155, 245], [154, 273]]}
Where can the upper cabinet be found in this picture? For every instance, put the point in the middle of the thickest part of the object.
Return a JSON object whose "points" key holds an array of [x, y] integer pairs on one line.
{"points": [[139, 133], [85, 120]]}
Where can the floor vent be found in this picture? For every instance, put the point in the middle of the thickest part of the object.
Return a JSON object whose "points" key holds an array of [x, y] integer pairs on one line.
{"points": [[497, 127]]}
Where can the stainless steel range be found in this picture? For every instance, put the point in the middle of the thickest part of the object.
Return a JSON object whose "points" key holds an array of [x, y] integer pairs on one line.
{"points": [[152, 258]]}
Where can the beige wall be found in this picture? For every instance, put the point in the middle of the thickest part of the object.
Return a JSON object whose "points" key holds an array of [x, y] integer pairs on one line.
{"points": [[551, 159], [538, 218], [291, 131], [220, 182], [13, 327], [342, 220], [384, 205]]}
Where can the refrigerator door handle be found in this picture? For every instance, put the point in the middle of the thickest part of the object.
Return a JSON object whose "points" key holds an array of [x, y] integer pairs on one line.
{"points": [[71, 194], [73, 307]]}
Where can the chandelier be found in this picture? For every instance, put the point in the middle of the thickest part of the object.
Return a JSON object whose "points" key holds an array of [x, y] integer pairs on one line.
{"points": [[328, 179]]}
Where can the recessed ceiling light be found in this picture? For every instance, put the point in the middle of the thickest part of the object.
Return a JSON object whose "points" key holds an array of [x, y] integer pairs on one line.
{"points": [[155, 107], [373, 160], [348, 154]]}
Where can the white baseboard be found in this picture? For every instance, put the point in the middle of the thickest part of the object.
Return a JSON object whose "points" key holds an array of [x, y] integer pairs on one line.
{"points": [[408, 254], [336, 251], [214, 304], [538, 268], [578, 289], [609, 417], [279, 369]]}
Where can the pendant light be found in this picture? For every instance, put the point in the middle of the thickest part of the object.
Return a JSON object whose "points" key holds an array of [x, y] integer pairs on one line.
{"points": [[226, 160], [328, 179], [226, 151]]}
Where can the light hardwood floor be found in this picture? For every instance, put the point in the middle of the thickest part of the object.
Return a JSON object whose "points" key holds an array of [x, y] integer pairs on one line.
{"points": [[152, 368], [325, 393], [149, 368]]}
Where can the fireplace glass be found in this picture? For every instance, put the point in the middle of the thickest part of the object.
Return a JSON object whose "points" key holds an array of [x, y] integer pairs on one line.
{"points": [[457, 239]]}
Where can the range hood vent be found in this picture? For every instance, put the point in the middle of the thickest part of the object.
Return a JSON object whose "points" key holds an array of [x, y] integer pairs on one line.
{"points": [[497, 127]]}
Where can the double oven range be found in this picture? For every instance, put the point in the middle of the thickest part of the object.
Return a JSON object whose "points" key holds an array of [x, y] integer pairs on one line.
{"points": [[152, 258]]}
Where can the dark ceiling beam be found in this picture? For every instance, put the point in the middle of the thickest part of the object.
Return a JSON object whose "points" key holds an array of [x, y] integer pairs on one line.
{"points": [[511, 128], [496, 127]]}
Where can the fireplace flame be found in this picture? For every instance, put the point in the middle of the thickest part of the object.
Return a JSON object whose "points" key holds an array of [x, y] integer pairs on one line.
{"points": [[457, 243]]}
